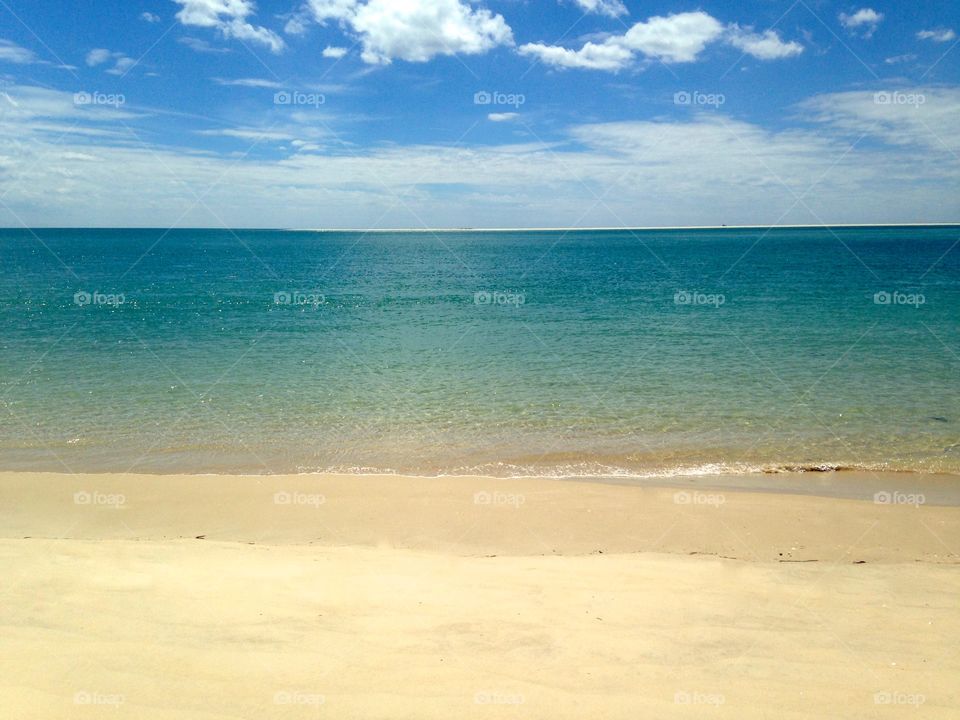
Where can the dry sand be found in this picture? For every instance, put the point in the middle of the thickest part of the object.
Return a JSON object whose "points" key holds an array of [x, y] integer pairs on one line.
{"points": [[371, 597]]}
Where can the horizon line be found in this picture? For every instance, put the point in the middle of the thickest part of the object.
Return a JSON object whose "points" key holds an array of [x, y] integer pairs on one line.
{"points": [[622, 228], [601, 228]]}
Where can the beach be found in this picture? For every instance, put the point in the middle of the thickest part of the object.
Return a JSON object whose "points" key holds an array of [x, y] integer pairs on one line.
{"points": [[384, 596]]}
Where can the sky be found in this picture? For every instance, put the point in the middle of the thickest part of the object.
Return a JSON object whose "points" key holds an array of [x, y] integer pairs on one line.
{"points": [[499, 113]]}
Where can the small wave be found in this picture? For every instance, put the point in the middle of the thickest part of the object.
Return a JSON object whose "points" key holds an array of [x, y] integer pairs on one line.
{"points": [[818, 468], [596, 470]]}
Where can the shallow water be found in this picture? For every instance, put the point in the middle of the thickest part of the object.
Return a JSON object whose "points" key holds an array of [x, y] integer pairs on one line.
{"points": [[567, 353]]}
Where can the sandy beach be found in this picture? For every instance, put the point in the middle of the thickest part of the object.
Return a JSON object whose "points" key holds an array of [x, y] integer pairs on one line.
{"points": [[388, 597]]}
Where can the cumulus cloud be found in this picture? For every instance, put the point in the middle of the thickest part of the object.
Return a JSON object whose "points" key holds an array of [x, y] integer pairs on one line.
{"points": [[413, 30], [98, 56], [323, 10], [334, 52], [676, 38], [940, 35], [229, 17], [763, 46], [149, 17], [863, 22], [502, 117], [12, 53], [610, 8], [592, 56]]}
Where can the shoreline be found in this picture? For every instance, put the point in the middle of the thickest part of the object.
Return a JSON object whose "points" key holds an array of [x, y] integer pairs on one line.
{"points": [[939, 488], [471, 514]]}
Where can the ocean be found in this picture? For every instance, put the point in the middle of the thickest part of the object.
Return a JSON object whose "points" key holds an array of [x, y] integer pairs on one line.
{"points": [[563, 353]]}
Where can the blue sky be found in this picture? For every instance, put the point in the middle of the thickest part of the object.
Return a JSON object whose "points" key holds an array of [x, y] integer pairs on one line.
{"points": [[442, 113]]}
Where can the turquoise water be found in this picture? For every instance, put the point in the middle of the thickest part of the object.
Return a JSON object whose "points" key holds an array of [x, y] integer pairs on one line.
{"points": [[508, 353]]}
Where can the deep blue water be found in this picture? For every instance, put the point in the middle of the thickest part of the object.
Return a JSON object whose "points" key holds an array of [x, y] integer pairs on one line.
{"points": [[587, 352]]}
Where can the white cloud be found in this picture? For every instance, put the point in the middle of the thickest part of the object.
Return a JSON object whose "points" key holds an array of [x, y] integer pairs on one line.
{"points": [[412, 30], [149, 17], [323, 10], [671, 39], [254, 134], [12, 53], [896, 59], [230, 18], [202, 46], [121, 63], [610, 8], [98, 56], [421, 29], [334, 52], [248, 82], [675, 38], [763, 46], [914, 117], [502, 117], [605, 56], [940, 35], [865, 21], [122, 66]]}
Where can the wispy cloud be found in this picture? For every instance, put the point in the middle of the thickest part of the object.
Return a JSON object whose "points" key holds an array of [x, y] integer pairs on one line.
{"points": [[939, 35], [691, 163], [202, 46], [100, 56], [248, 82], [12, 53]]}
